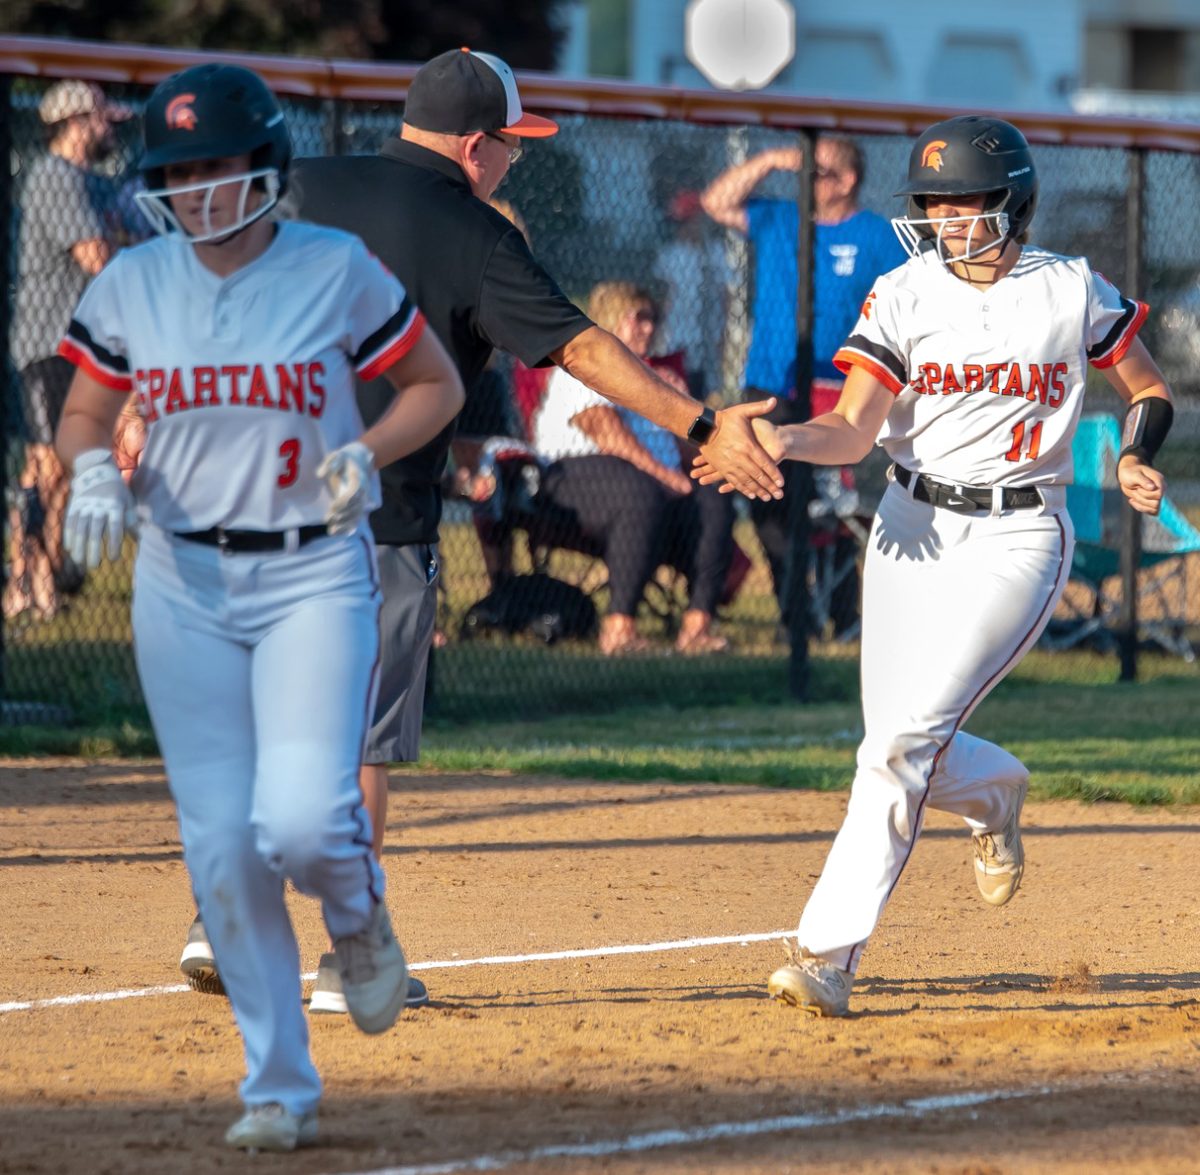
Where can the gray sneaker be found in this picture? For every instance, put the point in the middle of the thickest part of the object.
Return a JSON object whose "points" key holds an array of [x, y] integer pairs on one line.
{"points": [[197, 962], [373, 972], [328, 998], [272, 1128], [1000, 857], [810, 983]]}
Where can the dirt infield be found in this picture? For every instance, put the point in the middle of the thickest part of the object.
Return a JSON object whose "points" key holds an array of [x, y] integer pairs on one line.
{"points": [[1061, 1033]]}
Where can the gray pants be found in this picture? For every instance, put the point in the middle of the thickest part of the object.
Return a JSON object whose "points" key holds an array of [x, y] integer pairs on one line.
{"points": [[408, 578]]}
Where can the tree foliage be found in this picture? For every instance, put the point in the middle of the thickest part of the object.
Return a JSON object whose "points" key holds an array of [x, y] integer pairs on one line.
{"points": [[524, 32]]}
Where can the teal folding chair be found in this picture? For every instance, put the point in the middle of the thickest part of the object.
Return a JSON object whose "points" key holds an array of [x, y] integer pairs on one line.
{"points": [[1098, 508]]}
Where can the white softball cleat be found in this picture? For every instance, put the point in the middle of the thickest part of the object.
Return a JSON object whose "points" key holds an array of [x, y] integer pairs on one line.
{"points": [[272, 1128], [811, 984], [197, 962], [328, 999], [374, 973], [1000, 857]]}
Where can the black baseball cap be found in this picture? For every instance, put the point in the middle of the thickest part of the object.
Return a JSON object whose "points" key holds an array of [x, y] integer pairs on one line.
{"points": [[460, 92]]}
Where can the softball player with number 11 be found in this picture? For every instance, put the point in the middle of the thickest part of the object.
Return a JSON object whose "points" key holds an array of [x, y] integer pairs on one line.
{"points": [[968, 365]]}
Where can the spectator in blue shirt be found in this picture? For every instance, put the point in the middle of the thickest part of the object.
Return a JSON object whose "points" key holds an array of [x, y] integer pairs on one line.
{"points": [[851, 248]]}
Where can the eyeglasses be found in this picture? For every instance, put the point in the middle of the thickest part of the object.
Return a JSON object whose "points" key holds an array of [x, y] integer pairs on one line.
{"points": [[514, 153]]}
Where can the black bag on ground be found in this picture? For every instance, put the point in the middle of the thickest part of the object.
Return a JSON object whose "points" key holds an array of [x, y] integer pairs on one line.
{"points": [[540, 604]]}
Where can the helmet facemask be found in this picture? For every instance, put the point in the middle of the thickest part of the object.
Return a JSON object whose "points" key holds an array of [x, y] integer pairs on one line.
{"points": [[921, 234], [156, 204]]}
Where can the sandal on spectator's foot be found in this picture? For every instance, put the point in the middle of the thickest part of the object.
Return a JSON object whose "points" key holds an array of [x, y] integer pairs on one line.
{"points": [[701, 644], [618, 636], [624, 646], [696, 637], [16, 601]]}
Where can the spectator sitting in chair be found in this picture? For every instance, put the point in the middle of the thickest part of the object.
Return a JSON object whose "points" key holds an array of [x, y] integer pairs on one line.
{"points": [[620, 477]]}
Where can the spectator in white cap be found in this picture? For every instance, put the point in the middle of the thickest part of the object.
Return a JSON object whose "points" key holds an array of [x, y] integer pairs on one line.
{"points": [[66, 238]]}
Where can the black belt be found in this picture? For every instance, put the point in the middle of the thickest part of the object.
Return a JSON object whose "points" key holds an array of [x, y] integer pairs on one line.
{"points": [[964, 499], [252, 541]]}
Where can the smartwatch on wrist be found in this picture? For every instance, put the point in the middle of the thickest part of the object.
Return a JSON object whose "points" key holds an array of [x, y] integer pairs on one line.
{"points": [[703, 427]]}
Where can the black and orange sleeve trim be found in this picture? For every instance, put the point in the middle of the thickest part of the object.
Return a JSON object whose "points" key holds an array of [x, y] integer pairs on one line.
{"points": [[1113, 347], [390, 342], [104, 366], [859, 351]]}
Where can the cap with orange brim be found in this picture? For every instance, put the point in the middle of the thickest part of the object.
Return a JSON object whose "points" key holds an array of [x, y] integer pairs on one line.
{"points": [[460, 92]]}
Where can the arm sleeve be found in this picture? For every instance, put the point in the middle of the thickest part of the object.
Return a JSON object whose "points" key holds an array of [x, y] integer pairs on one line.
{"points": [[874, 342], [96, 339], [1112, 320], [382, 323], [521, 308]]}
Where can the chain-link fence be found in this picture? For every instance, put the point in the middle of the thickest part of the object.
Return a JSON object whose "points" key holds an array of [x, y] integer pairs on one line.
{"points": [[611, 203]]}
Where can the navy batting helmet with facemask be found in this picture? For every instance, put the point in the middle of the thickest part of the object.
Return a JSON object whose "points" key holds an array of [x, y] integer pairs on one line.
{"points": [[213, 112], [970, 155]]}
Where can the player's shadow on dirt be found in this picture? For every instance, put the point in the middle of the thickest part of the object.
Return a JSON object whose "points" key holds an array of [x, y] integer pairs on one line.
{"points": [[758, 838], [407, 847], [502, 811], [1076, 991], [607, 995]]}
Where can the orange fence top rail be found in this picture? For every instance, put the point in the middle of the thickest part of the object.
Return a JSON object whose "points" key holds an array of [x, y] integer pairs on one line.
{"points": [[381, 82]]}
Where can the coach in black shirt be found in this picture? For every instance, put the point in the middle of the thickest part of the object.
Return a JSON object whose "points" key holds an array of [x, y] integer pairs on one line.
{"points": [[420, 206]]}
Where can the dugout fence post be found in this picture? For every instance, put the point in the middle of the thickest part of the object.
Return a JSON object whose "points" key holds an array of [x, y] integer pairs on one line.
{"points": [[795, 410], [1131, 538], [334, 112], [7, 372]]}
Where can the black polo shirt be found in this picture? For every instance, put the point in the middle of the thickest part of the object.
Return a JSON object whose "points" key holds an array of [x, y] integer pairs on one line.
{"points": [[467, 268]]}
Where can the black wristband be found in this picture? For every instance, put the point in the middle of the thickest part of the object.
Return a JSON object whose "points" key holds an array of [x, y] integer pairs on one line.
{"points": [[1146, 426], [703, 427]]}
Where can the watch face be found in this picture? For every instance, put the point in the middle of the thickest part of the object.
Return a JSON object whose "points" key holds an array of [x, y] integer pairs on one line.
{"points": [[702, 427]]}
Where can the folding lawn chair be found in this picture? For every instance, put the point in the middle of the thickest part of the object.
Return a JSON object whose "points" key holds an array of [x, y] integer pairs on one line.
{"points": [[1098, 508]]}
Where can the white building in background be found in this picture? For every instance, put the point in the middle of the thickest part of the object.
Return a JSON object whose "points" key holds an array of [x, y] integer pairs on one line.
{"points": [[1116, 56]]}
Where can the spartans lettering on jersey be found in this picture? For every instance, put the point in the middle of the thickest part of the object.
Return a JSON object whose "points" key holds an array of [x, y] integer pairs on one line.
{"points": [[296, 387], [1043, 383]]}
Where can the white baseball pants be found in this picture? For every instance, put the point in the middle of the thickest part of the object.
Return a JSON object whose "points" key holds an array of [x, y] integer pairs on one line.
{"points": [[259, 673], [951, 602]]}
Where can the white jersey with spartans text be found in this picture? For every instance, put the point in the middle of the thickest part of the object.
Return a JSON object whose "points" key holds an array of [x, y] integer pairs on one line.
{"points": [[245, 382], [989, 383]]}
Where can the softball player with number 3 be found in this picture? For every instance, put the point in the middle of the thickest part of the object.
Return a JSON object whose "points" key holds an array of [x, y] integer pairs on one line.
{"points": [[255, 609], [968, 366]]}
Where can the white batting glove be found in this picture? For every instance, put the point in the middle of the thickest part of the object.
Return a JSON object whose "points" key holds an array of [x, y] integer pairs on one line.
{"points": [[347, 475], [100, 504]]}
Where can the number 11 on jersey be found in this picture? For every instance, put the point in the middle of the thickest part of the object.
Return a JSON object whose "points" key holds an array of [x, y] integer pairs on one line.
{"points": [[1035, 442]]}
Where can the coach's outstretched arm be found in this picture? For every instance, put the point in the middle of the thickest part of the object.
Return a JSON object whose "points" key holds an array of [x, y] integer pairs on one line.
{"points": [[602, 362]]}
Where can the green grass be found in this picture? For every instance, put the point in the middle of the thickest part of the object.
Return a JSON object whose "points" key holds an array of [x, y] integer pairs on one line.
{"points": [[1082, 735], [516, 706]]}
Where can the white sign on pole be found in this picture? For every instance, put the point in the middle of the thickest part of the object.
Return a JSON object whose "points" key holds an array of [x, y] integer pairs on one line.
{"points": [[739, 44]]}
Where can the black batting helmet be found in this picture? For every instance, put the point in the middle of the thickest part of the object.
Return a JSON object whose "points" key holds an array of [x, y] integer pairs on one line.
{"points": [[214, 111], [972, 155]]}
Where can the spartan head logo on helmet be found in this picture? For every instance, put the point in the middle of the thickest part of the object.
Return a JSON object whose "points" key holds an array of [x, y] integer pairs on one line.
{"points": [[179, 114], [932, 155]]}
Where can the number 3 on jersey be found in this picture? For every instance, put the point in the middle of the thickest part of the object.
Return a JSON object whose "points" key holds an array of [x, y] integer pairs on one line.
{"points": [[289, 452], [1014, 453]]}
